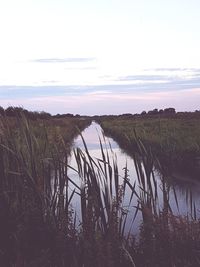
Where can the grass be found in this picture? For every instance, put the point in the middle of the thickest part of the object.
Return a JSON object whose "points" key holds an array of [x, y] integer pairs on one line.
{"points": [[33, 208], [38, 226], [175, 141]]}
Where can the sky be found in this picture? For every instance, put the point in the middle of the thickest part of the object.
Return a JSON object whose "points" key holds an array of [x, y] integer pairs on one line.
{"points": [[100, 56]]}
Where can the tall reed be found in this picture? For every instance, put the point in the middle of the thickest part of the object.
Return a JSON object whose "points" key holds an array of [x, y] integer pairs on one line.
{"points": [[38, 226]]}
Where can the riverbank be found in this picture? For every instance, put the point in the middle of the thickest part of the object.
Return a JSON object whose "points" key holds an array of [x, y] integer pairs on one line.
{"points": [[174, 141], [34, 215], [38, 224]]}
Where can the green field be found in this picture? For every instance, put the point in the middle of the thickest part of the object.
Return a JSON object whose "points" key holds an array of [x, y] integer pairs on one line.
{"points": [[174, 141]]}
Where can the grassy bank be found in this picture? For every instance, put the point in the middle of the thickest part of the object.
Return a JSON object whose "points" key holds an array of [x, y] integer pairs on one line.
{"points": [[174, 141], [33, 220], [38, 226], [57, 132]]}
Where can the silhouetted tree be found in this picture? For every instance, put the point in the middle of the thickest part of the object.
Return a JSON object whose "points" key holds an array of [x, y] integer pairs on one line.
{"points": [[143, 113], [153, 112], [169, 111]]}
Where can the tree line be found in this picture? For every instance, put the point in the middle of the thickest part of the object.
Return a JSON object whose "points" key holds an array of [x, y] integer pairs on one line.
{"points": [[12, 111]]}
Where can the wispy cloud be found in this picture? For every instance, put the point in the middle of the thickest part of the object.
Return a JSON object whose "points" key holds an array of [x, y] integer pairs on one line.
{"points": [[129, 93], [115, 103], [102, 92], [81, 68], [164, 81], [51, 82], [17, 92], [63, 60], [147, 77], [176, 85], [177, 69]]}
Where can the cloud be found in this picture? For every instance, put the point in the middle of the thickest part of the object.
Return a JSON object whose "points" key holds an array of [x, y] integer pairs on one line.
{"points": [[171, 69], [173, 85], [81, 68], [175, 69], [170, 81], [64, 60], [102, 92], [131, 93], [17, 92], [147, 77], [115, 103], [51, 82]]}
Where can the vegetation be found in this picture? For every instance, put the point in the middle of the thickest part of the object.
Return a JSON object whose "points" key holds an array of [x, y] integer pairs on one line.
{"points": [[175, 140], [38, 226], [12, 111], [33, 158]]}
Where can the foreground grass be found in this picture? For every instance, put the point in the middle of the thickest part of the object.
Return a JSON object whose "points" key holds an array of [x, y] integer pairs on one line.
{"points": [[38, 226], [31, 204], [175, 141]]}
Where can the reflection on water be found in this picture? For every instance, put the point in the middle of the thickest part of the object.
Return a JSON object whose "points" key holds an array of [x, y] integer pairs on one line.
{"points": [[181, 187], [91, 136]]}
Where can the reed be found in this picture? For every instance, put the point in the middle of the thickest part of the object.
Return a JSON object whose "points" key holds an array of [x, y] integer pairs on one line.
{"points": [[104, 194], [34, 202], [39, 227]]}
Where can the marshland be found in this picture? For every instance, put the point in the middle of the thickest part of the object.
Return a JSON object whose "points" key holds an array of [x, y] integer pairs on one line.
{"points": [[99, 191]]}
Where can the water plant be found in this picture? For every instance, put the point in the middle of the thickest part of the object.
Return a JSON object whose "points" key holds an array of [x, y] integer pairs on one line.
{"points": [[39, 226]]}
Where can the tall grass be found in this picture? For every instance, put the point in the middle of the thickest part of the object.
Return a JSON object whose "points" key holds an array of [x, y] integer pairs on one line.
{"points": [[34, 202], [175, 141], [101, 198], [164, 238], [38, 226]]}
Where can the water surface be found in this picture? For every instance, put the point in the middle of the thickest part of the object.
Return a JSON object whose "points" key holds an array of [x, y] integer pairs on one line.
{"points": [[181, 188]]}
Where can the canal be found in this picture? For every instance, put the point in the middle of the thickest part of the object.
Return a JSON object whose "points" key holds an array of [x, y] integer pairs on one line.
{"points": [[183, 192]]}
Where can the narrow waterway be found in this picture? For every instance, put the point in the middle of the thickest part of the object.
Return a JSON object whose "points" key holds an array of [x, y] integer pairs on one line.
{"points": [[183, 192]]}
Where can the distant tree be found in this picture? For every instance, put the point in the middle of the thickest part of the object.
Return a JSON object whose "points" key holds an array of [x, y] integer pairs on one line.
{"points": [[70, 115], [126, 115], [169, 111], [57, 116], [143, 112], [18, 111], [153, 112]]}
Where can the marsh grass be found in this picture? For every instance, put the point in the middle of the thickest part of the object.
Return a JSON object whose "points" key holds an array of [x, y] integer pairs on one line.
{"points": [[38, 225], [175, 141], [34, 210], [164, 238]]}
